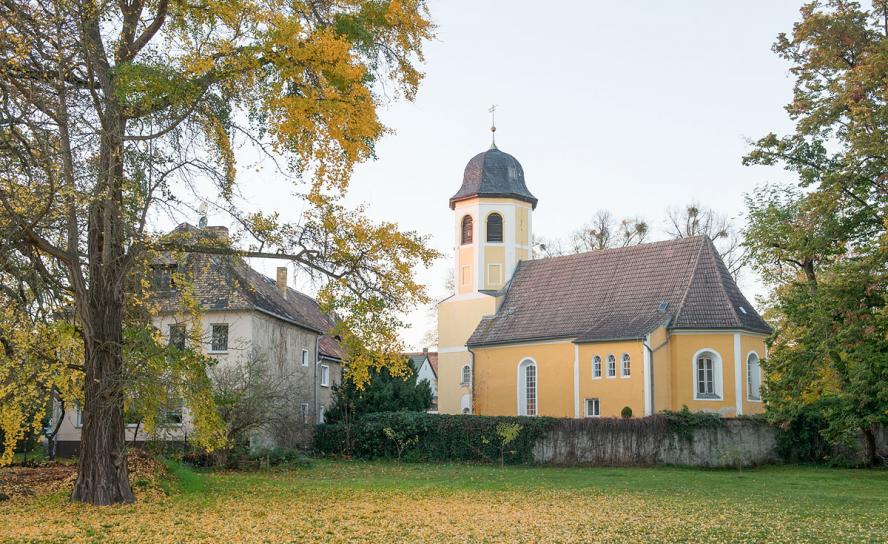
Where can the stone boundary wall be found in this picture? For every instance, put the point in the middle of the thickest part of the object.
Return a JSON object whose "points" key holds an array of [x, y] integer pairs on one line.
{"points": [[731, 443]]}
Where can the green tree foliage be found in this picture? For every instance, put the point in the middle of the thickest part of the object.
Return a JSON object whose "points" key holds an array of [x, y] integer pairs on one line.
{"points": [[382, 393], [822, 246]]}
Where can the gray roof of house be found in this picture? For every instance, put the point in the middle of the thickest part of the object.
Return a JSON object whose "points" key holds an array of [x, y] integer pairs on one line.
{"points": [[228, 283], [493, 174], [620, 293]]}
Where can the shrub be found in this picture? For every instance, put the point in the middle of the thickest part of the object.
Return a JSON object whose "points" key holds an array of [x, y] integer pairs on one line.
{"points": [[626, 412], [438, 437]]}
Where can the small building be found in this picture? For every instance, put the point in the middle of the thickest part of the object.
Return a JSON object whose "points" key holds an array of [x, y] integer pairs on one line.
{"points": [[425, 365], [650, 327], [246, 318]]}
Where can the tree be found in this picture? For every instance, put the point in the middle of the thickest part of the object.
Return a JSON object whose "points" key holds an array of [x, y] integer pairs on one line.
{"points": [[384, 392], [697, 220], [604, 232], [822, 247], [114, 113]]}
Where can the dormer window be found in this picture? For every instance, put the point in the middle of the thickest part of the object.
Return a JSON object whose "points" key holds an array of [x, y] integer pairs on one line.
{"points": [[466, 237], [494, 228]]}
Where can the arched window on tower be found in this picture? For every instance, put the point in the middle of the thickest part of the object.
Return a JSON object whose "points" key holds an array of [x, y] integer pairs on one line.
{"points": [[494, 228], [466, 230]]}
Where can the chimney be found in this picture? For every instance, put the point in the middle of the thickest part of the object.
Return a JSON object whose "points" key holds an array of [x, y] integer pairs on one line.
{"points": [[425, 351], [282, 280], [218, 232]]}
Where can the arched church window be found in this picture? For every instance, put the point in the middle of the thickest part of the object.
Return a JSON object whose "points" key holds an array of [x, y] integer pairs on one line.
{"points": [[527, 388], [753, 377], [494, 228], [466, 230]]}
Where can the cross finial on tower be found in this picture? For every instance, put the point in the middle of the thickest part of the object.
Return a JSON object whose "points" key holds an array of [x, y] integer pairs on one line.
{"points": [[492, 111]]}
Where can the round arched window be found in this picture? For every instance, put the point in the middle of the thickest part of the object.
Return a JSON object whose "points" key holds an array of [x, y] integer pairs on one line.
{"points": [[527, 388], [466, 237], [494, 228]]}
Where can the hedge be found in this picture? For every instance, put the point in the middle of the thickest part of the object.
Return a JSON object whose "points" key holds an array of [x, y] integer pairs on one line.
{"points": [[431, 437]]}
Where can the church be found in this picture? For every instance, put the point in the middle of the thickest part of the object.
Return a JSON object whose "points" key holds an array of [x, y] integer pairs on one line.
{"points": [[606, 333]]}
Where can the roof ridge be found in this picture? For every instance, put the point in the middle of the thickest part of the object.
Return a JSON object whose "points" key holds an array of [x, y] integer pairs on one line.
{"points": [[713, 253], [684, 297], [634, 247]]}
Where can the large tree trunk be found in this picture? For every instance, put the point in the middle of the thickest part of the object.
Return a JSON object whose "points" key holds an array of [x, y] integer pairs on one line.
{"points": [[102, 472]]}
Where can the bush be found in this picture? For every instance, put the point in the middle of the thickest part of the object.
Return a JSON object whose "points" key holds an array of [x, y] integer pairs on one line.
{"points": [[801, 439], [433, 437], [626, 412], [241, 458]]}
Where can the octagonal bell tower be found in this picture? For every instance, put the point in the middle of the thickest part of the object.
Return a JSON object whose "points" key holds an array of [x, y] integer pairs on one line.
{"points": [[492, 222], [492, 233]]}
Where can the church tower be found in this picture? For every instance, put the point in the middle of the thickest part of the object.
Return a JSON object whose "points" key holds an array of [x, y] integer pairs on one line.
{"points": [[491, 234]]}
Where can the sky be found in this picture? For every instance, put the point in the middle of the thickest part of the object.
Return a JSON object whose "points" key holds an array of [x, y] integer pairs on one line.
{"points": [[629, 106]]}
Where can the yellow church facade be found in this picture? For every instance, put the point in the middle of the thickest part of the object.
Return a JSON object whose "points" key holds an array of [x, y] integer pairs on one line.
{"points": [[651, 327]]}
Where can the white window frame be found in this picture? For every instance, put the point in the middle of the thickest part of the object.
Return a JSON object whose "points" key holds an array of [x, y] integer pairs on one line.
{"points": [[596, 371], [625, 365], [717, 375], [78, 416], [758, 361], [322, 413], [303, 407], [465, 375], [213, 337], [611, 358], [325, 375], [596, 402], [523, 364], [305, 357]]}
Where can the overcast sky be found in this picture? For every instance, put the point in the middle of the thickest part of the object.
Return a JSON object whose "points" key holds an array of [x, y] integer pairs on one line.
{"points": [[628, 106]]}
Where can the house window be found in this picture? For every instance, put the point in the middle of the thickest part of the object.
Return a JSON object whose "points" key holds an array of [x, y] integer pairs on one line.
{"points": [[596, 366], [219, 338], [627, 369], [527, 388], [177, 336], [172, 415], [305, 357], [466, 237], [303, 408], [322, 413], [494, 228], [162, 276], [593, 408], [611, 366], [753, 377], [78, 415], [466, 375], [707, 375], [325, 376]]}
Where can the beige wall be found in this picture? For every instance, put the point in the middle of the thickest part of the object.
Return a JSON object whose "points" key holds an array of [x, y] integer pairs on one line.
{"points": [[457, 318], [686, 345], [613, 393], [496, 375], [496, 378]]}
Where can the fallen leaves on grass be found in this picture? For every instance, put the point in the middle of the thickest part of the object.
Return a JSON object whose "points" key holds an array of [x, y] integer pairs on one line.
{"points": [[335, 502]]}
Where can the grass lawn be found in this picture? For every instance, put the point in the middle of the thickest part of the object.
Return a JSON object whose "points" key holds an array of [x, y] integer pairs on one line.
{"points": [[336, 501]]}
